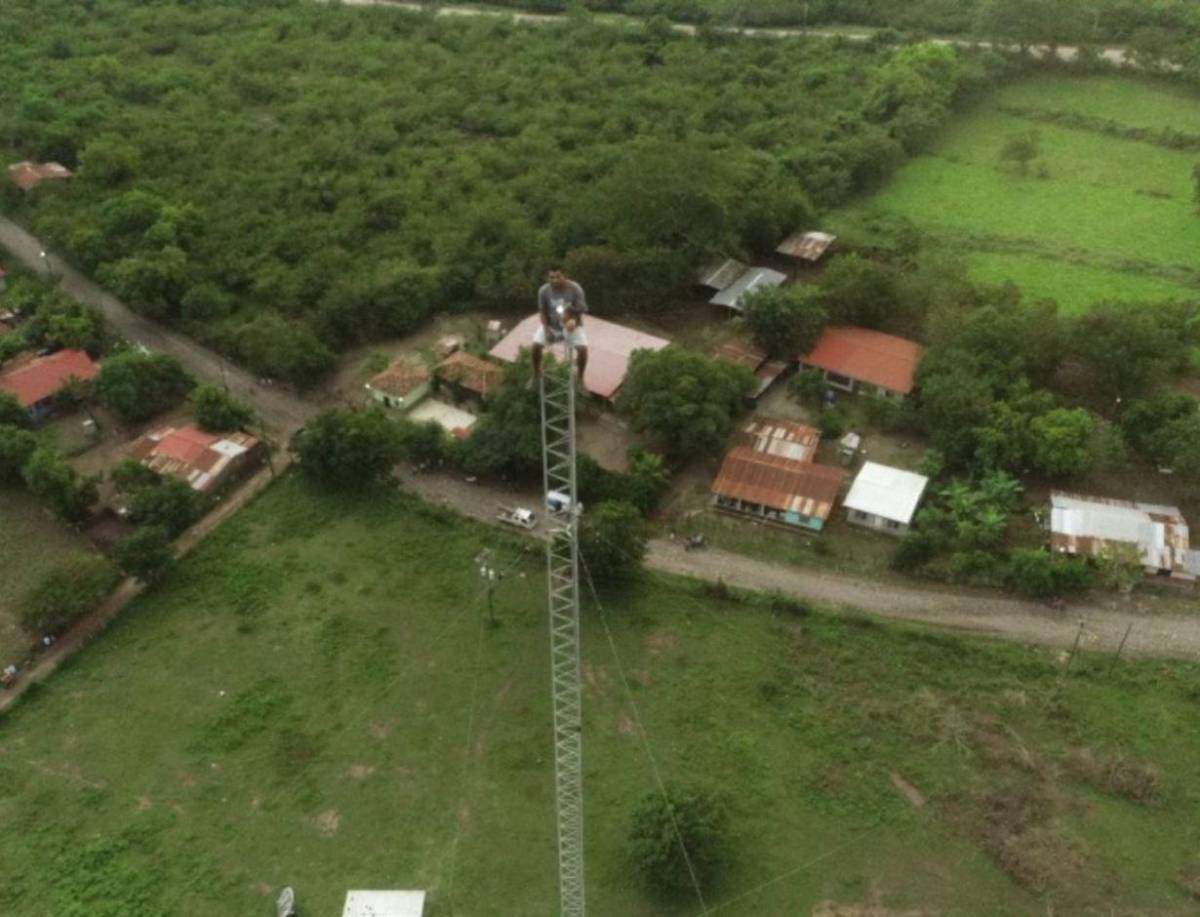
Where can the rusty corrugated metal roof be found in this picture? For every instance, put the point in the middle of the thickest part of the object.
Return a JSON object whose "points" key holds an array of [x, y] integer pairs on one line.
{"points": [[779, 483], [742, 353], [1091, 525], [201, 459], [783, 438]]}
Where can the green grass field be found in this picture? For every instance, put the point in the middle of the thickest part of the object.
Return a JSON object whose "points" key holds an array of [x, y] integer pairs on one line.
{"points": [[313, 699], [1113, 220], [31, 545]]}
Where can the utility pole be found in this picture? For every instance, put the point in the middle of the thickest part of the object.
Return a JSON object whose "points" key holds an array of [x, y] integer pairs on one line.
{"points": [[490, 576], [562, 568]]}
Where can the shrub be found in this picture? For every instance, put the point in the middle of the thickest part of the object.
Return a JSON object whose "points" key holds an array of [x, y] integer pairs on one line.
{"points": [[16, 446], [50, 478], [612, 540], [661, 821], [169, 503], [139, 385], [808, 386], [217, 411], [833, 423], [423, 443], [11, 412], [1040, 574], [145, 554], [67, 592]]}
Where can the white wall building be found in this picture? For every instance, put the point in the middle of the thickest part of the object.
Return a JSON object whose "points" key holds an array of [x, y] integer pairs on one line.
{"points": [[885, 498]]}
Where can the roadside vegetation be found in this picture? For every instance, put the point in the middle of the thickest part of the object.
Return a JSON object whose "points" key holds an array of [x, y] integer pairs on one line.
{"points": [[326, 651]]}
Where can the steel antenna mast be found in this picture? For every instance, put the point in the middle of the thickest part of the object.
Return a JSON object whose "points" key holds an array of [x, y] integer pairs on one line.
{"points": [[562, 562]]}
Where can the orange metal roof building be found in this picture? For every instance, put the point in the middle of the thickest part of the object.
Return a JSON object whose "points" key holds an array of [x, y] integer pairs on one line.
{"points": [[867, 356], [471, 372], [779, 482], [42, 377]]}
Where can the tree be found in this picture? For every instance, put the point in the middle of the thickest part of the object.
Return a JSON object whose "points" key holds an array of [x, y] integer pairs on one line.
{"points": [[11, 412], [1178, 446], [129, 474], [70, 590], [1061, 441], [685, 400], [507, 440], [422, 443], [49, 477], [1040, 574], [785, 321], [808, 386], [668, 823], [168, 502], [1132, 351], [1021, 148], [16, 446], [1142, 420], [858, 291], [648, 479], [612, 540], [217, 411], [138, 385], [145, 554], [344, 448]]}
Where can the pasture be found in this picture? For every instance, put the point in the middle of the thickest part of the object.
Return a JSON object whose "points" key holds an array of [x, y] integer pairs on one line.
{"points": [[314, 698], [1098, 216], [32, 543]]}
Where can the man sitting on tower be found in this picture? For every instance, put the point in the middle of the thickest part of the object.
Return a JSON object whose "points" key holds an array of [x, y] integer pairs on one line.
{"points": [[561, 306]]}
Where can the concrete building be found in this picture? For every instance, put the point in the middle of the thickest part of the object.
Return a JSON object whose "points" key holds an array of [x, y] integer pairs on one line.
{"points": [[1083, 525], [769, 475], [206, 461], [610, 347], [884, 498], [35, 382], [861, 360], [400, 386]]}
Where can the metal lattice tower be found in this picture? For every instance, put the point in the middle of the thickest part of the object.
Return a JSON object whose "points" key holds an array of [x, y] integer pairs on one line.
{"points": [[562, 562]]}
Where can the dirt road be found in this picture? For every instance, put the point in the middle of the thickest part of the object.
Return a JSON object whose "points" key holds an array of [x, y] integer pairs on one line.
{"points": [[281, 411], [1116, 56]]}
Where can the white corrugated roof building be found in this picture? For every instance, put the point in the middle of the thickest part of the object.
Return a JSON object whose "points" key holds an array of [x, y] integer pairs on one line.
{"points": [[756, 278], [1088, 525], [886, 492]]}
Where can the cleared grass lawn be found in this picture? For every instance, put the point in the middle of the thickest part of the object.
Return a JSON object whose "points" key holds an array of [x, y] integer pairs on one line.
{"points": [[312, 698], [1118, 214], [31, 545]]}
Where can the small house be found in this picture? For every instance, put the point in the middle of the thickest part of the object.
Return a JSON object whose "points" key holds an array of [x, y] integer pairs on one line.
{"points": [[856, 359], [1157, 535], [806, 246], [468, 376], [400, 386], [884, 498], [35, 383], [205, 461]]}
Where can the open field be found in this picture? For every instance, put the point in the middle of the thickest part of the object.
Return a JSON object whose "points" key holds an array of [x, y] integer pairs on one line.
{"points": [[1113, 219], [31, 545], [313, 698]]}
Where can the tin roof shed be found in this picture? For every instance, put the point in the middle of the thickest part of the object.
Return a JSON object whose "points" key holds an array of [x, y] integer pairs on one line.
{"points": [[778, 482], [1090, 525], [807, 246], [755, 278]]}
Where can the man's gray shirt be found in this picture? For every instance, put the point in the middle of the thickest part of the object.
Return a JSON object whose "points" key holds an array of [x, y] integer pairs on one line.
{"points": [[554, 303]]}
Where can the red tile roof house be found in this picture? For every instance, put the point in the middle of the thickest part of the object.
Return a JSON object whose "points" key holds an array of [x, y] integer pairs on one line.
{"points": [[203, 460], [861, 360], [37, 382]]}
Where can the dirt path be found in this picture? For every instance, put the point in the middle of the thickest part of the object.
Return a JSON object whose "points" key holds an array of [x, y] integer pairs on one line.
{"points": [[1117, 56], [1152, 634], [281, 411]]}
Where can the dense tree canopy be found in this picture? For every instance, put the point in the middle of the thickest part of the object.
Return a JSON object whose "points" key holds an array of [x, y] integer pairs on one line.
{"points": [[344, 448], [409, 165], [139, 385]]}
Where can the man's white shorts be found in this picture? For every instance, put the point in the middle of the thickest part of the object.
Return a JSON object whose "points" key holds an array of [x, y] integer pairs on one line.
{"points": [[577, 338]]}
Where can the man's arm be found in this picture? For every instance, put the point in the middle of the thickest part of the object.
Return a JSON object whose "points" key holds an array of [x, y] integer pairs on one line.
{"points": [[579, 306]]}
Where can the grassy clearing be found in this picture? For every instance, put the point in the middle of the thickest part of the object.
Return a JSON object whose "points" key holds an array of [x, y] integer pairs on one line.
{"points": [[312, 699], [31, 545], [1116, 214]]}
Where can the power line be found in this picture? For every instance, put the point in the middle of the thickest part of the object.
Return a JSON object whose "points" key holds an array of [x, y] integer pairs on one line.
{"points": [[637, 716]]}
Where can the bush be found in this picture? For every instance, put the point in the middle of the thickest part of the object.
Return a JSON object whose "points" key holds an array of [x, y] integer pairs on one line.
{"points": [[422, 443], [69, 591], [16, 446], [50, 478], [139, 385], [785, 321], [832, 422], [11, 412], [145, 554], [218, 411], [343, 448], [808, 386], [169, 503], [1041, 575], [661, 821]]}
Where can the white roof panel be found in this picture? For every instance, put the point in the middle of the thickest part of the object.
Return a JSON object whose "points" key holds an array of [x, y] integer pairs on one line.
{"points": [[384, 904], [756, 278], [887, 492]]}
